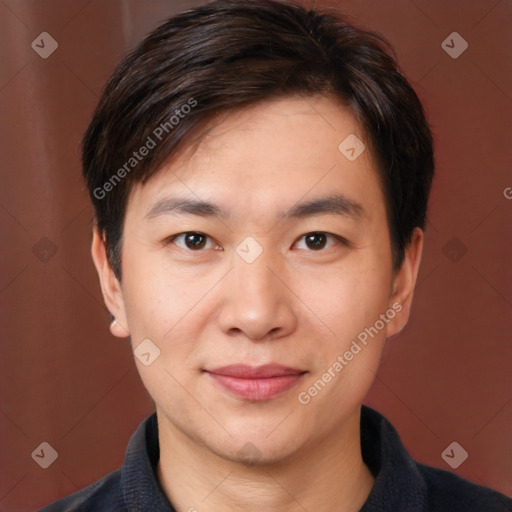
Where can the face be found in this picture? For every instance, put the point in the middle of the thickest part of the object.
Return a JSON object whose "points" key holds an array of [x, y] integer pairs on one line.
{"points": [[267, 251]]}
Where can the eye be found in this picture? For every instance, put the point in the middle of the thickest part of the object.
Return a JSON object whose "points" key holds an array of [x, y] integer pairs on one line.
{"points": [[318, 240], [192, 240]]}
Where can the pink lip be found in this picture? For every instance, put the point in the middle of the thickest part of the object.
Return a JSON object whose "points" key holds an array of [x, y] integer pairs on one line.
{"points": [[256, 383]]}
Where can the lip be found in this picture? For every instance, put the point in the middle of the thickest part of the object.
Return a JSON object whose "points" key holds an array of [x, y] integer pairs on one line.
{"points": [[256, 383]]}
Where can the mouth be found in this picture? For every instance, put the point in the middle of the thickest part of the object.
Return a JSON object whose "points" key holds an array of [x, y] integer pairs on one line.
{"points": [[256, 383]]}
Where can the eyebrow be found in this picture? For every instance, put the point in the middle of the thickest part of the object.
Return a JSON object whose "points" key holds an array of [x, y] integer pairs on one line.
{"points": [[335, 205], [171, 205]]}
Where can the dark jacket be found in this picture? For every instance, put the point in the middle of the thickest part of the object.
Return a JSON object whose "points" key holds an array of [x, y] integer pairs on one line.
{"points": [[401, 484]]}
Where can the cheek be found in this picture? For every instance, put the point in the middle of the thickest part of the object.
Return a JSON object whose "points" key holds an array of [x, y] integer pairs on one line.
{"points": [[157, 295], [350, 301], [344, 364], [347, 298], [165, 307]]}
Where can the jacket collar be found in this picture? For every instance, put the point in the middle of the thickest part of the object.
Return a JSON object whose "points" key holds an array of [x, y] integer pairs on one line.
{"points": [[398, 485]]}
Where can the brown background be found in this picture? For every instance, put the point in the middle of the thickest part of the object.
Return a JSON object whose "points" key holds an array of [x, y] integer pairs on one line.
{"points": [[65, 380]]}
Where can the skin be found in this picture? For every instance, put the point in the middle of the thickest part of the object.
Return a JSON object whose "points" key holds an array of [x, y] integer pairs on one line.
{"points": [[296, 305]]}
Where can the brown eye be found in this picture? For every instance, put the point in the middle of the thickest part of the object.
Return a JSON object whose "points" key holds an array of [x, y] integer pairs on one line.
{"points": [[319, 240], [192, 241], [315, 241], [195, 240]]}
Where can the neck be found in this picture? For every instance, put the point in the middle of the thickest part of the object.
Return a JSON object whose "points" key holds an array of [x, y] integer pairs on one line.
{"points": [[326, 475]]}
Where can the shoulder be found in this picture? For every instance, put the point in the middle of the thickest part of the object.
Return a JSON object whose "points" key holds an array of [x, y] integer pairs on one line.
{"points": [[101, 496], [448, 491], [403, 483]]}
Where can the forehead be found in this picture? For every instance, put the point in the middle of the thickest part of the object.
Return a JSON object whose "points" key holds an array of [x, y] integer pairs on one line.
{"points": [[300, 129], [270, 155]]}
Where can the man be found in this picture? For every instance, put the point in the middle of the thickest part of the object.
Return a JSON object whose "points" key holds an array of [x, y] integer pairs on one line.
{"points": [[260, 175]]}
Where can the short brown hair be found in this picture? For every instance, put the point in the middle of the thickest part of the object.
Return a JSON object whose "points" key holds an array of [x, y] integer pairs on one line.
{"points": [[229, 54]]}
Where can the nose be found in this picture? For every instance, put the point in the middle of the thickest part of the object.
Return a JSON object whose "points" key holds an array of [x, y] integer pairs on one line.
{"points": [[256, 301]]}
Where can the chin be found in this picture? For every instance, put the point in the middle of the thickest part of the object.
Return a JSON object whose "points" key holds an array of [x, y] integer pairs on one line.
{"points": [[255, 453]]}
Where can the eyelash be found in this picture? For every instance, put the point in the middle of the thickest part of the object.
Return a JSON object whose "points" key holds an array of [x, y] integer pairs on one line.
{"points": [[338, 238]]}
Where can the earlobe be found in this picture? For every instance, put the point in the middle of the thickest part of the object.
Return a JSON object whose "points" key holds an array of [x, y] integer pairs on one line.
{"points": [[404, 283], [110, 285], [118, 329]]}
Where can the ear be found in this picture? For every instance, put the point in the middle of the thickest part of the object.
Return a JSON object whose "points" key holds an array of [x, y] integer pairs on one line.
{"points": [[403, 284], [110, 285]]}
